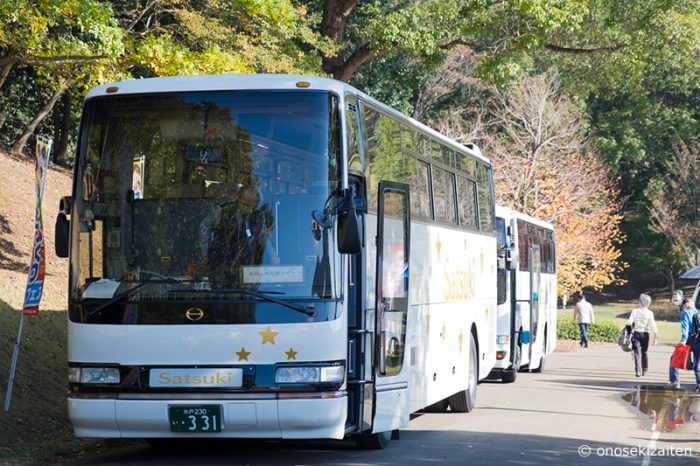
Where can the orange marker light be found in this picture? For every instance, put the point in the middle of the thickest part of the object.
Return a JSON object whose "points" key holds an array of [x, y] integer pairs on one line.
{"points": [[303, 84], [111, 89]]}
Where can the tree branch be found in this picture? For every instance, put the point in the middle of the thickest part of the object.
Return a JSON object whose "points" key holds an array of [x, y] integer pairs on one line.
{"points": [[579, 51], [363, 53]]}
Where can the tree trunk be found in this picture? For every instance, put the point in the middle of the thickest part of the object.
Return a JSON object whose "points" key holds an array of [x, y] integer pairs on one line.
{"points": [[4, 73], [29, 130], [336, 14], [62, 124], [668, 272]]}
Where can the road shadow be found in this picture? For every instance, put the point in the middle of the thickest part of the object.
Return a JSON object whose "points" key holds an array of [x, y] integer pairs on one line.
{"points": [[413, 448], [8, 249]]}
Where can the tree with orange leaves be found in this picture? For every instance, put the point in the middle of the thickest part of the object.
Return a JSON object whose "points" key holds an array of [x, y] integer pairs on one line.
{"points": [[537, 146]]}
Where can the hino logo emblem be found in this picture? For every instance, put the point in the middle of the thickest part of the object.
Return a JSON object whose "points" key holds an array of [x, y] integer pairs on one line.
{"points": [[194, 313]]}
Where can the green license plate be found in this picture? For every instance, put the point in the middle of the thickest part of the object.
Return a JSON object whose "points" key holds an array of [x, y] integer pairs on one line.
{"points": [[195, 418]]}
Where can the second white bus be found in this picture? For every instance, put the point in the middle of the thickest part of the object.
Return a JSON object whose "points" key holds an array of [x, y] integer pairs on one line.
{"points": [[527, 292]]}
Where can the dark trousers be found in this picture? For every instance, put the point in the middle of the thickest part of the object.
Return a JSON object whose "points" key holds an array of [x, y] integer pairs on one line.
{"points": [[640, 345], [584, 334]]}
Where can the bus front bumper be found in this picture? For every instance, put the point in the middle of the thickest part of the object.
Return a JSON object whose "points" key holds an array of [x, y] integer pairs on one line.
{"points": [[319, 415]]}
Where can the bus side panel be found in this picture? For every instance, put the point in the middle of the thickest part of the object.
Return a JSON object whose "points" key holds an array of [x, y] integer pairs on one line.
{"points": [[452, 288]]}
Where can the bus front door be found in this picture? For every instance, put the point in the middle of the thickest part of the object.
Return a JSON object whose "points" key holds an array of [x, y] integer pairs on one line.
{"points": [[391, 404]]}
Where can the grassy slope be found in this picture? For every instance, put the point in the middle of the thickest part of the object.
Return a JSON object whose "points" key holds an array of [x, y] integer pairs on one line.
{"points": [[37, 424]]}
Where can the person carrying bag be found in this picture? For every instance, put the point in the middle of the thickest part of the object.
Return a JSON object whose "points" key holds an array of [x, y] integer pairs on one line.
{"points": [[642, 321], [690, 342]]}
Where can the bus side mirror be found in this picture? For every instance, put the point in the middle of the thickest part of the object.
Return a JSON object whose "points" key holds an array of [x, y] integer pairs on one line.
{"points": [[62, 232], [348, 227], [63, 227], [511, 259], [512, 262]]}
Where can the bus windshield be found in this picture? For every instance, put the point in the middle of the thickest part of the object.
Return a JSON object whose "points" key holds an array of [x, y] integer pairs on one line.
{"points": [[201, 194]]}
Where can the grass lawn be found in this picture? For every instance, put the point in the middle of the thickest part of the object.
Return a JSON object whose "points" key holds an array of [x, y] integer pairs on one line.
{"points": [[666, 316]]}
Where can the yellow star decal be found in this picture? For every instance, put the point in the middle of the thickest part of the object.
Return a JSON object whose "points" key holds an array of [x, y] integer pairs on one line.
{"points": [[268, 336], [291, 354], [438, 245], [460, 338], [243, 354]]}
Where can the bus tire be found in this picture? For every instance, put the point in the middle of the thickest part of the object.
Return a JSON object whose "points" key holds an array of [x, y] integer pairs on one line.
{"points": [[540, 368], [377, 441], [464, 401], [509, 375]]}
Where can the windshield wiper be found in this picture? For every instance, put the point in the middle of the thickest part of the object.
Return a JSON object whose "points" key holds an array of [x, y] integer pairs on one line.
{"points": [[130, 292], [308, 310]]}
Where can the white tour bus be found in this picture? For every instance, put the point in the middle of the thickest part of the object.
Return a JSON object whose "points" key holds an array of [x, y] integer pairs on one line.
{"points": [[527, 293], [361, 287]]}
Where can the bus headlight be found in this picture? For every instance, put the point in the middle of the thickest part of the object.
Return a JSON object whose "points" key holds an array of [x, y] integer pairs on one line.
{"points": [[93, 375], [310, 374]]}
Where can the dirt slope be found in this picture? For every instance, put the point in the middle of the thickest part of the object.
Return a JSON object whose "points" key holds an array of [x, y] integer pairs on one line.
{"points": [[17, 204]]}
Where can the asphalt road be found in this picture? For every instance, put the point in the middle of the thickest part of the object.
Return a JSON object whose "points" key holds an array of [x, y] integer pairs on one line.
{"points": [[587, 408]]}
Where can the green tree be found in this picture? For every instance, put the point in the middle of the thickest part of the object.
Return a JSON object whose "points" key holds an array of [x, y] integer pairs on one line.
{"points": [[55, 33]]}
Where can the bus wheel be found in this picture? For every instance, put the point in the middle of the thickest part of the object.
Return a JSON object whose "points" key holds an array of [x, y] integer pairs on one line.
{"points": [[509, 375], [542, 358], [464, 401], [377, 441]]}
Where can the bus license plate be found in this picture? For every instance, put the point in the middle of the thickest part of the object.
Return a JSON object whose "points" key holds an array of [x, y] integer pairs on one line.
{"points": [[195, 418]]}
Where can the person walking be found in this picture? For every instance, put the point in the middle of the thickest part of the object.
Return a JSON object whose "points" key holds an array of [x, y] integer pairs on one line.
{"points": [[583, 314], [643, 327], [689, 336]]}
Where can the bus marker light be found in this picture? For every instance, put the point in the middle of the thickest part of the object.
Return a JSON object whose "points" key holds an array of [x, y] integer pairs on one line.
{"points": [[303, 84], [500, 354], [111, 89]]}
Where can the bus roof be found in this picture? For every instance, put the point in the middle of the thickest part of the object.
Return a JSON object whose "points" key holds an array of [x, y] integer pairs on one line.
{"points": [[232, 82], [507, 212]]}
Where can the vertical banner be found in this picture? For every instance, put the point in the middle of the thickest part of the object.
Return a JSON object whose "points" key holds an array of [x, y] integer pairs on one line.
{"points": [[35, 282]]}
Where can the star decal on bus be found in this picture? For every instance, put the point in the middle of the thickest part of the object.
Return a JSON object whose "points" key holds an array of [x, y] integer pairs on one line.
{"points": [[291, 354], [243, 354], [268, 335]]}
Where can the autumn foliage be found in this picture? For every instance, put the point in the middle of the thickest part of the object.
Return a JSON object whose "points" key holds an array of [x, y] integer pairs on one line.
{"points": [[536, 144]]}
